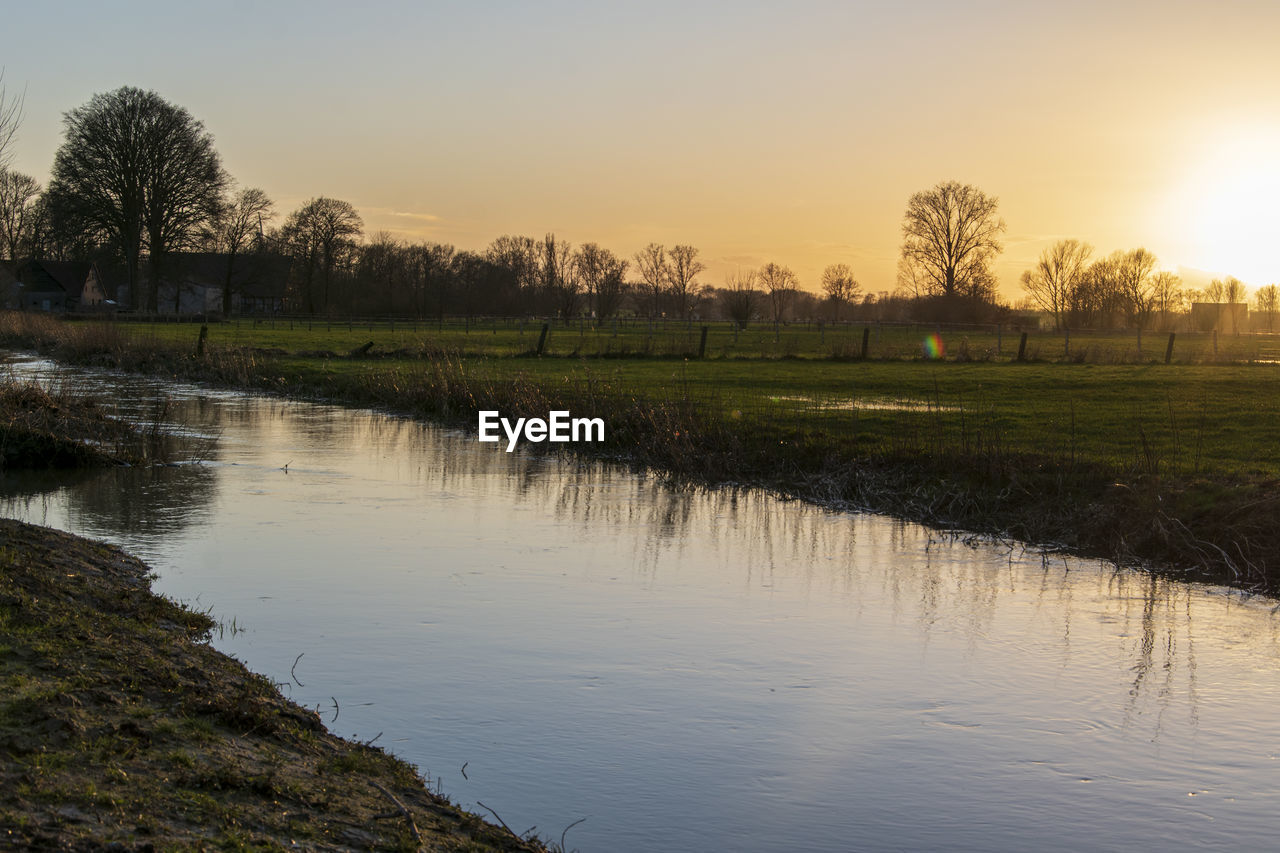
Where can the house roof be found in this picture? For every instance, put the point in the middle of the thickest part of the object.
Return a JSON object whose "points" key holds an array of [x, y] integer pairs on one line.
{"points": [[66, 277]]}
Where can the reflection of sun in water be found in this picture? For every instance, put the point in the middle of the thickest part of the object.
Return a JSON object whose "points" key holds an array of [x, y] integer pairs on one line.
{"points": [[1232, 209]]}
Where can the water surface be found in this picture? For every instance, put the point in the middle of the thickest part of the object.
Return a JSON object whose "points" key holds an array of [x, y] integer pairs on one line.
{"points": [[690, 669]]}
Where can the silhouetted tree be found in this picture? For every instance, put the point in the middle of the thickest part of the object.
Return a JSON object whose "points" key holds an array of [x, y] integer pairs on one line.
{"points": [[1133, 275], [10, 118], [603, 275], [18, 196], [740, 296], [321, 235], [780, 284], [1053, 283], [1268, 301], [560, 279], [840, 286], [683, 268], [239, 220], [950, 237], [651, 263], [520, 257], [133, 166]]}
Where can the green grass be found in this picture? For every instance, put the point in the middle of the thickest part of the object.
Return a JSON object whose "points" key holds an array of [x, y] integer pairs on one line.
{"points": [[670, 338]]}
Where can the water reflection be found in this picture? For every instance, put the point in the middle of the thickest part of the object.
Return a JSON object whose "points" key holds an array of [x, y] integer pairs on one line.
{"points": [[700, 669]]}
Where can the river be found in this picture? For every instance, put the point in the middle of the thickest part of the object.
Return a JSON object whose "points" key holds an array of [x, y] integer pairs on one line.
{"points": [[690, 669]]}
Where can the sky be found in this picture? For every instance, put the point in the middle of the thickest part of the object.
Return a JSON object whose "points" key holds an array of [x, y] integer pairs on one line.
{"points": [[755, 131]]}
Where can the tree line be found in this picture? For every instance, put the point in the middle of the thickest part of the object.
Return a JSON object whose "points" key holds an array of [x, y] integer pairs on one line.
{"points": [[138, 179]]}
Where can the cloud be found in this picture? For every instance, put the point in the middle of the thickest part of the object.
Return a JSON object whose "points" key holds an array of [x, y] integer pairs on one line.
{"points": [[403, 214]]}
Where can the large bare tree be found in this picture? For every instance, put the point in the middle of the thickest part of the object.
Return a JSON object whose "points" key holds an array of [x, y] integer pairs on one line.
{"points": [[1053, 283], [840, 286], [135, 166], [950, 237]]}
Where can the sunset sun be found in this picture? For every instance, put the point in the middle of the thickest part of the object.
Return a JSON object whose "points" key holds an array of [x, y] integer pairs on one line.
{"points": [[1232, 206]]}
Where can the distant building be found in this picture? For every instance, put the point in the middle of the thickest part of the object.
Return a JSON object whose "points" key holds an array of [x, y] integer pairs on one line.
{"points": [[193, 283], [47, 285], [1228, 318]]}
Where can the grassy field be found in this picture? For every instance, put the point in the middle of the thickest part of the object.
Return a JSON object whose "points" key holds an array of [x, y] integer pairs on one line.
{"points": [[662, 338], [1182, 418], [1175, 463]]}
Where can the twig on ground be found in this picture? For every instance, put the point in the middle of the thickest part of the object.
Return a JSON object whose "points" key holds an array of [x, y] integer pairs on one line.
{"points": [[413, 827], [499, 819]]}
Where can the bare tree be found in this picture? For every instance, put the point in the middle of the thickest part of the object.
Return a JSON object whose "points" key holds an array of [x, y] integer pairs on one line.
{"points": [[18, 196], [10, 119], [840, 286], [560, 278], [1268, 301], [651, 261], [1133, 271], [133, 166], [1053, 283], [950, 237], [1168, 296], [683, 267], [430, 279], [520, 256], [321, 234], [740, 296], [1234, 290], [603, 274], [239, 220], [780, 284]]}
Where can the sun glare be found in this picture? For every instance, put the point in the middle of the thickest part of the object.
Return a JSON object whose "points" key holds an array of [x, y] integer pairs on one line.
{"points": [[1233, 210]]}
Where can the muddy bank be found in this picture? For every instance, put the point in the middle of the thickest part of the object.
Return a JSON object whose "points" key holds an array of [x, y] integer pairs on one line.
{"points": [[122, 728]]}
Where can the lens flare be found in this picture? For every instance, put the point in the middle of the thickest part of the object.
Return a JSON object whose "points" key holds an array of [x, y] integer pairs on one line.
{"points": [[933, 347]]}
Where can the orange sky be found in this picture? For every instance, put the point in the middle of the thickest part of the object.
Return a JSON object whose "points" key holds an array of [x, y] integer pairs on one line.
{"points": [[754, 131]]}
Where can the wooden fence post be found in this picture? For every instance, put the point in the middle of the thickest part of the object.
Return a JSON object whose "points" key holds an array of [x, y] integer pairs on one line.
{"points": [[1168, 351], [702, 347], [1022, 348], [866, 340], [542, 338]]}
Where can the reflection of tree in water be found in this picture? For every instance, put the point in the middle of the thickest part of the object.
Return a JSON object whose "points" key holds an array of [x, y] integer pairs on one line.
{"points": [[976, 590], [143, 502]]}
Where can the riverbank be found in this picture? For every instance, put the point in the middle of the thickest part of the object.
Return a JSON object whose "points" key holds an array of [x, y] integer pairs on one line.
{"points": [[59, 429], [120, 725], [1170, 465]]}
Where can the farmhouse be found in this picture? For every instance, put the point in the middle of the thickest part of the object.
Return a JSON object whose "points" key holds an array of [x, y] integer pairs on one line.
{"points": [[46, 285], [1228, 318]]}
